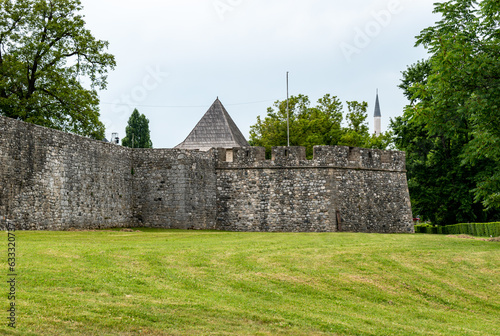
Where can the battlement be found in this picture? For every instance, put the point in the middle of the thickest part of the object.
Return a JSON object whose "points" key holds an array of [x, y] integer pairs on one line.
{"points": [[356, 157], [242, 155], [324, 156]]}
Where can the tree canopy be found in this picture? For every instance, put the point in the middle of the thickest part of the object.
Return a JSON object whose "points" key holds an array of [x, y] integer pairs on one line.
{"points": [[318, 125], [137, 132], [46, 56], [451, 129]]}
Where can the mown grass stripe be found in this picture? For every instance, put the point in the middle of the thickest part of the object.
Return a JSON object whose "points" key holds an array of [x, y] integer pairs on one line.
{"points": [[167, 282]]}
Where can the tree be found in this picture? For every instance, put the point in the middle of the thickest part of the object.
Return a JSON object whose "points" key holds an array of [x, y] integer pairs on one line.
{"points": [[137, 132], [451, 129], [46, 55], [318, 125]]}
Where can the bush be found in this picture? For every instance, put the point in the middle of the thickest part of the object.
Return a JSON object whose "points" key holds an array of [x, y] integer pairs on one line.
{"points": [[425, 228], [473, 229], [476, 229]]}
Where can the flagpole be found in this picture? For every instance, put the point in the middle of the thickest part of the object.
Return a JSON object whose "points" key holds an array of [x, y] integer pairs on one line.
{"points": [[287, 114]]}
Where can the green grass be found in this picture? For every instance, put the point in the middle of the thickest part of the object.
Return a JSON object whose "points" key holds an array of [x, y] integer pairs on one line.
{"points": [[160, 282]]}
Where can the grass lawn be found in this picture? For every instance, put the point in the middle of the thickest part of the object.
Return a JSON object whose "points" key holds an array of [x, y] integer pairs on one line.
{"points": [[169, 282]]}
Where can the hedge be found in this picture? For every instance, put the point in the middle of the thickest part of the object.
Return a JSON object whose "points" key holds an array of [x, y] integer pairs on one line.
{"points": [[473, 229]]}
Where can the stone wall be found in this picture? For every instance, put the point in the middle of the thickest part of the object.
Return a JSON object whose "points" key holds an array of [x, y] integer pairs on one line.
{"points": [[50, 180], [174, 188], [341, 189]]}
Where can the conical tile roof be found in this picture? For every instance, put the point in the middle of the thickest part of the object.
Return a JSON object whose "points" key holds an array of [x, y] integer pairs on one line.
{"points": [[216, 129]]}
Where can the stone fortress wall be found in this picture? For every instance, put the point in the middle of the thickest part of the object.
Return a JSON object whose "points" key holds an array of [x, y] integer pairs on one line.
{"points": [[50, 180]]}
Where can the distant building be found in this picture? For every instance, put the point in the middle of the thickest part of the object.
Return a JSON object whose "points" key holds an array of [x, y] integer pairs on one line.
{"points": [[115, 139], [377, 116], [216, 129]]}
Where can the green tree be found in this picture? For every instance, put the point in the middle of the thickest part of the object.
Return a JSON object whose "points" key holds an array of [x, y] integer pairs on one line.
{"points": [[309, 126], [356, 134], [137, 132], [451, 129], [312, 126], [46, 55]]}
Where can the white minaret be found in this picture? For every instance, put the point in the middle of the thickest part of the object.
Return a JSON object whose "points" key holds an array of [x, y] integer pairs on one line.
{"points": [[377, 116]]}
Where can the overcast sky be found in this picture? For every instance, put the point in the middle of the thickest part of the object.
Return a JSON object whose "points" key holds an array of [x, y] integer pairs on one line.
{"points": [[174, 57]]}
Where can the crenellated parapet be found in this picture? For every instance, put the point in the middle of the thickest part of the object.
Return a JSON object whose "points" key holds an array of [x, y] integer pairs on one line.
{"points": [[244, 156], [288, 156], [359, 158], [324, 156]]}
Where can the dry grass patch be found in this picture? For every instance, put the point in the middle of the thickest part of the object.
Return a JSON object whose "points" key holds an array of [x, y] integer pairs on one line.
{"points": [[464, 236]]}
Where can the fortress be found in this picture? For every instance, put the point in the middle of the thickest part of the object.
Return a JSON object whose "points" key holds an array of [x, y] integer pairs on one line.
{"points": [[50, 180]]}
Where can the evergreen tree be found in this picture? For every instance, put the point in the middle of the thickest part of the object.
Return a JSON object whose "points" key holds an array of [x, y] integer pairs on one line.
{"points": [[137, 132]]}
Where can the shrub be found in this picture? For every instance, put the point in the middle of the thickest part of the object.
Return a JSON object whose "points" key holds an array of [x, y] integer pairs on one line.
{"points": [[473, 229], [424, 228]]}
